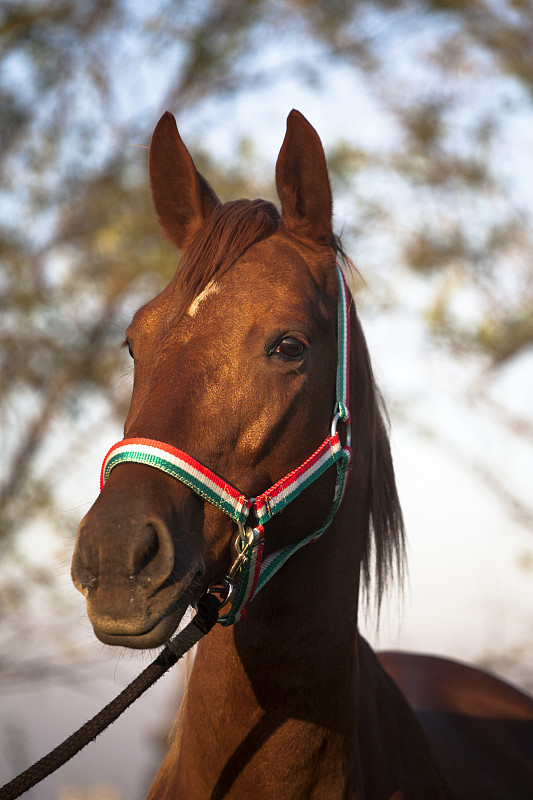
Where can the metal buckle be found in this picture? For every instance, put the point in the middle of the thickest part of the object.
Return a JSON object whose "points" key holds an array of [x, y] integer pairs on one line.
{"points": [[336, 420]]}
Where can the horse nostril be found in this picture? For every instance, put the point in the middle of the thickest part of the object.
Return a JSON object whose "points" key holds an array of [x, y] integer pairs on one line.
{"points": [[146, 553], [84, 568], [82, 577], [152, 554]]}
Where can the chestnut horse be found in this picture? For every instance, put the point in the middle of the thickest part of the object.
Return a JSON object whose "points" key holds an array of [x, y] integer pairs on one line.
{"points": [[236, 476]]}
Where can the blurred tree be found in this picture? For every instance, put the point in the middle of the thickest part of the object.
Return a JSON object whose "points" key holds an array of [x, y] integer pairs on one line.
{"points": [[78, 239]]}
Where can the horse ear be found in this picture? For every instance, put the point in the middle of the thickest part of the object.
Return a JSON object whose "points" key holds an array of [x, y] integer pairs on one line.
{"points": [[182, 197], [303, 184]]}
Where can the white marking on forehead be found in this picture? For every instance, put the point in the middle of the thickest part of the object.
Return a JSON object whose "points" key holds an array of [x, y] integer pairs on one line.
{"points": [[211, 288]]}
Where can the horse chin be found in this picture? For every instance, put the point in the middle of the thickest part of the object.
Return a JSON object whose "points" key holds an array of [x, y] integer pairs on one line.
{"points": [[138, 637]]}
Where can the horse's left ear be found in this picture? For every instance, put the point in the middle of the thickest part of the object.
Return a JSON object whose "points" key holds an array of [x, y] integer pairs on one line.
{"points": [[303, 184]]}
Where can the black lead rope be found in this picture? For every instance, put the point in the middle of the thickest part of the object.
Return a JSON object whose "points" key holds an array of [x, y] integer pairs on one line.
{"points": [[201, 624]]}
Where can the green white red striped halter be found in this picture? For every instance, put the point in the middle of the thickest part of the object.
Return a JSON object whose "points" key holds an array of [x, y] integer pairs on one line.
{"points": [[250, 571]]}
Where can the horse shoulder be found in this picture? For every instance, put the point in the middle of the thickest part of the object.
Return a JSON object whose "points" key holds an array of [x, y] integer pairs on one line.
{"points": [[480, 728]]}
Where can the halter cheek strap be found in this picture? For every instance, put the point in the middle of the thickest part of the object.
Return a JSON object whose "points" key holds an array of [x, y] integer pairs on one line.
{"points": [[250, 572]]}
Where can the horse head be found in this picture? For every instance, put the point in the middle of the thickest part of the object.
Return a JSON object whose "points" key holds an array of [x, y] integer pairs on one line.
{"points": [[234, 366]]}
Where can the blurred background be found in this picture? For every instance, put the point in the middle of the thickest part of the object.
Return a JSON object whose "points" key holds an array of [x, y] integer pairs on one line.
{"points": [[425, 110]]}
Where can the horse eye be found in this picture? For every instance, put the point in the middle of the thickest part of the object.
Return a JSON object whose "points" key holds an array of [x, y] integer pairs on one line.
{"points": [[290, 347]]}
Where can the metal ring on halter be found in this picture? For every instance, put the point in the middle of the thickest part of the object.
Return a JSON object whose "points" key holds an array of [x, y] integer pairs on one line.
{"points": [[218, 587], [334, 424]]}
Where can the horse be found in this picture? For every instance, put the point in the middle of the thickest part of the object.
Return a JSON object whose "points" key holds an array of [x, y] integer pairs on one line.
{"points": [[256, 468]]}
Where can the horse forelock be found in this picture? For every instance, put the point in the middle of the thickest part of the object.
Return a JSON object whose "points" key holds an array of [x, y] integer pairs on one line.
{"points": [[224, 237]]}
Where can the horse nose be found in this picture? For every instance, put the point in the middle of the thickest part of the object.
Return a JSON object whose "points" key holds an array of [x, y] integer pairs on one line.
{"points": [[140, 551]]}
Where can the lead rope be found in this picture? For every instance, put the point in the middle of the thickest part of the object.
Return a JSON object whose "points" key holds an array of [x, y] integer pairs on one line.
{"points": [[197, 628]]}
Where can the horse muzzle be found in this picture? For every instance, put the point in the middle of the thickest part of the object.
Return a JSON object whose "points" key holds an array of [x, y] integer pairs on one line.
{"points": [[136, 585]]}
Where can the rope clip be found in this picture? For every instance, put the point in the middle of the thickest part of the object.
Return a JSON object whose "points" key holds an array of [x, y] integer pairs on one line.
{"points": [[225, 587]]}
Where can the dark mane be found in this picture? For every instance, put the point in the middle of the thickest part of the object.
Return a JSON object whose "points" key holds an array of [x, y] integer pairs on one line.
{"points": [[384, 555], [373, 482], [223, 238]]}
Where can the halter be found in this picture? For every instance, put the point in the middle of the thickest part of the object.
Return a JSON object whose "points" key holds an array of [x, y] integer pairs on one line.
{"points": [[250, 571]]}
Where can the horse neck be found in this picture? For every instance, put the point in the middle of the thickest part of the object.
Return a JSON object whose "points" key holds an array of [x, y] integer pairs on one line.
{"points": [[280, 686]]}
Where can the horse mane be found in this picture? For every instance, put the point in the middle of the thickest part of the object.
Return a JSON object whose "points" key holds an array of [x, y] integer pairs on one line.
{"points": [[384, 554], [224, 237]]}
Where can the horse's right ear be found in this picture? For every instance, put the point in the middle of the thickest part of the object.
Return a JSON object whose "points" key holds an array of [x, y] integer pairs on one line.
{"points": [[182, 197]]}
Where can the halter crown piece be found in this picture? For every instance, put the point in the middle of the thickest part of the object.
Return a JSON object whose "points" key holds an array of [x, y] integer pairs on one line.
{"points": [[250, 571]]}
